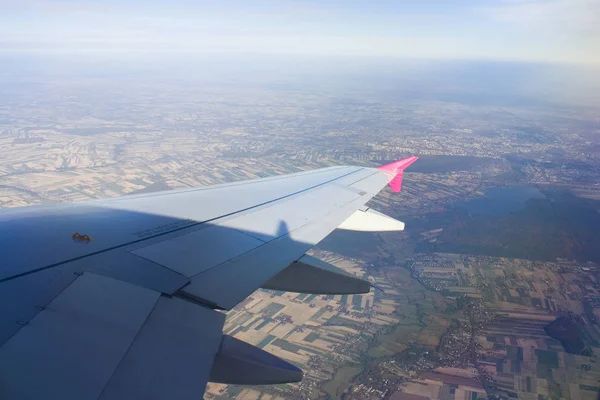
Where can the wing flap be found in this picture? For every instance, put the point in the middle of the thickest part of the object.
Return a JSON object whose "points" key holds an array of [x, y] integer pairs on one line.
{"points": [[195, 252], [172, 356], [128, 267], [106, 339], [71, 348], [311, 275], [240, 363], [23, 298]]}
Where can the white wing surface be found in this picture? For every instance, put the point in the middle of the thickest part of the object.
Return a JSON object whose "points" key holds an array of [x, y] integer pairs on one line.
{"points": [[123, 298]]}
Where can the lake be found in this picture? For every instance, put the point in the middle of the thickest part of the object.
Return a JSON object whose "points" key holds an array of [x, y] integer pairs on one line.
{"points": [[500, 201]]}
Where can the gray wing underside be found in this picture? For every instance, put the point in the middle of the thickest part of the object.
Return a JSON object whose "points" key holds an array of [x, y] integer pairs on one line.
{"points": [[119, 299]]}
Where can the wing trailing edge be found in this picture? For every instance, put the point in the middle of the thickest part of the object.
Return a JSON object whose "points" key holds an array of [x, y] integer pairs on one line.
{"points": [[311, 275], [240, 363], [106, 339]]}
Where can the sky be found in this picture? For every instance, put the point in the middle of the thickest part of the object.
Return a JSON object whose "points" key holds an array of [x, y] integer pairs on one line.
{"points": [[555, 31]]}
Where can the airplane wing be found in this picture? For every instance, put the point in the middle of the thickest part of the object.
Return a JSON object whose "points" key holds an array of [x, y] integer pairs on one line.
{"points": [[124, 298]]}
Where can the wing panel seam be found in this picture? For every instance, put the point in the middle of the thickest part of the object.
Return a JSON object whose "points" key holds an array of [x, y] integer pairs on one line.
{"points": [[137, 334], [362, 179]]}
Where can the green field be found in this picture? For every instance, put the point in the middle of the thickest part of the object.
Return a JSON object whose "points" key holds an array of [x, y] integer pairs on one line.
{"points": [[341, 381]]}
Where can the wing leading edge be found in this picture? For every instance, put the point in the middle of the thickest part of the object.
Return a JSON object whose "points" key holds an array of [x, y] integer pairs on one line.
{"points": [[133, 312]]}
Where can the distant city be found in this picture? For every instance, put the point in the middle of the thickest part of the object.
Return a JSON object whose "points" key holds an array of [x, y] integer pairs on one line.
{"points": [[475, 299]]}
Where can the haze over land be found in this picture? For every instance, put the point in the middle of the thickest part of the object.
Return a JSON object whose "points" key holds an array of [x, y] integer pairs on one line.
{"points": [[557, 31]]}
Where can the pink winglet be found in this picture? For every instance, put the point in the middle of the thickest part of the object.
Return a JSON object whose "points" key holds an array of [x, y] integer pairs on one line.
{"points": [[394, 172]]}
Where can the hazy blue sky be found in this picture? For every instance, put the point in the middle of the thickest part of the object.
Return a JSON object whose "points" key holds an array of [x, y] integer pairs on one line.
{"points": [[531, 30]]}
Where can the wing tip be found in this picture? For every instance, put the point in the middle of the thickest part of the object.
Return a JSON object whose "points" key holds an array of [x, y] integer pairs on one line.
{"points": [[398, 166], [394, 171]]}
